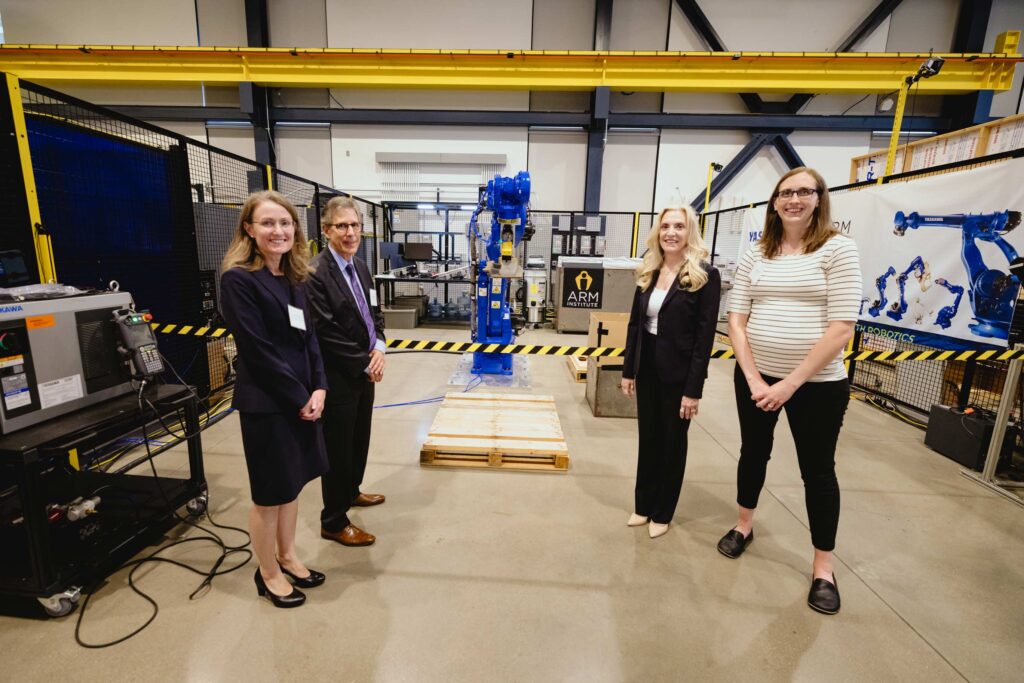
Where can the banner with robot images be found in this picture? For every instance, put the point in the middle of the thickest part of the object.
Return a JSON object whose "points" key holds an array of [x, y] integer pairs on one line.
{"points": [[936, 254]]}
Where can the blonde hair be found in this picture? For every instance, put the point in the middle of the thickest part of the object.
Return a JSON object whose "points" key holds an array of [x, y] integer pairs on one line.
{"points": [[820, 230], [242, 252], [692, 275]]}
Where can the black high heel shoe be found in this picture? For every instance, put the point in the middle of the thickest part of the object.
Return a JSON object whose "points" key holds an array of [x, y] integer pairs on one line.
{"points": [[314, 579], [293, 599]]}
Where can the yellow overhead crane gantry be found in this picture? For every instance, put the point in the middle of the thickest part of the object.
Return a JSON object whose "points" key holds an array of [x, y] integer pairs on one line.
{"points": [[783, 72]]}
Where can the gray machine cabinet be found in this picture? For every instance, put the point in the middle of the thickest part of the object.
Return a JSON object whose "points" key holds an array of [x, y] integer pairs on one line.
{"points": [[619, 283]]}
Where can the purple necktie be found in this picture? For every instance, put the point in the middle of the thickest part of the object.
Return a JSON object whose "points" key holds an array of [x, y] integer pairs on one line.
{"points": [[364, 310]]}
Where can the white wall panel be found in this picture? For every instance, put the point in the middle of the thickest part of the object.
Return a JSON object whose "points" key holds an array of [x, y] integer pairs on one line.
{"points": [[354, 149], [807, 25], [558, 170], [221, 22], [922, 25], [297, 23], [235, 140], [640, 25], [755, 182], [627, 177], [305, 152], [112, 22], [683, 161], [563, 24], [449, 25], [190, 129], [829, 152]]}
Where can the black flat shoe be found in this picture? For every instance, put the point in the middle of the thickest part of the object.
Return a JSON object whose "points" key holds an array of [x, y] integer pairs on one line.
{"points": [[314, 579], [824, 596], [733, 543], [293, 599]]}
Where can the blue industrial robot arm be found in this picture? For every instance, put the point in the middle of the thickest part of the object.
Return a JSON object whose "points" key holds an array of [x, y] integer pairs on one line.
{"points": [[495, 263], [946, 314], [881, 301], [992, 292]]}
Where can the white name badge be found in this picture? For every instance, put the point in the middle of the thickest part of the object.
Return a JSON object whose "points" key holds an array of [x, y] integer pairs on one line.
{"points": [[756, 272], [373, 297], [296, 318]]}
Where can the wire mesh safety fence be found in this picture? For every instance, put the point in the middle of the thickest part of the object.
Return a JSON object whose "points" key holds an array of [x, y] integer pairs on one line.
{"points": [[445, 227], [128, 201]]}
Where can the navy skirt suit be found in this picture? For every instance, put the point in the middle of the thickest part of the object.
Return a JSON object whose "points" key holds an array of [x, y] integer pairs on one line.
{"points": [[278, 368]]}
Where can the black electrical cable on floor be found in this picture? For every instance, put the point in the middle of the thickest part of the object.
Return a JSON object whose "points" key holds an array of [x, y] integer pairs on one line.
{"points": [[208, 575]]}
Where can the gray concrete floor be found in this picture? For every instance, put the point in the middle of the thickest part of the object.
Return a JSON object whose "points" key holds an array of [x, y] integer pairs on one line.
{"points": [[509, 576]]}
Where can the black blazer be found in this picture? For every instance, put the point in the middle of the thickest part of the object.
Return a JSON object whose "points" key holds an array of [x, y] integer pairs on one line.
{"points": [[278, 366], [343, 336], [686, 333]]}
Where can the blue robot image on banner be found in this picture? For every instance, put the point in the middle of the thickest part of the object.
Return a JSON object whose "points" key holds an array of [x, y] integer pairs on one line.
{"points": [[918, 268], [495, 262], [992, 292], [946, 314]]}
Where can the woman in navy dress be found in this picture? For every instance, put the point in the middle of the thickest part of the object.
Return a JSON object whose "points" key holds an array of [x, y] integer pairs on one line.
{"points": [[280, 386]]}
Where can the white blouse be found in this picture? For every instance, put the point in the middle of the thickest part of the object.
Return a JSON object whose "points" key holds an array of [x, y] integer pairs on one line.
{"points": [[653, 308]]}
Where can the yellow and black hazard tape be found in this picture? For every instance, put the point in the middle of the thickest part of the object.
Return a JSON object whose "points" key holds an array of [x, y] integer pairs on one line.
{"points": [[610, 352]]}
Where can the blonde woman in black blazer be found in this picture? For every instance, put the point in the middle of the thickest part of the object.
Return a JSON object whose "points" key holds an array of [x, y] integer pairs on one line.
{"points": [[670, 336]]}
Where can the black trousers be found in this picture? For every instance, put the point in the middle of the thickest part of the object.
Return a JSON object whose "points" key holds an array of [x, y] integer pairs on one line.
{"points": [[661, 460], [347, 418], [815, 413]]}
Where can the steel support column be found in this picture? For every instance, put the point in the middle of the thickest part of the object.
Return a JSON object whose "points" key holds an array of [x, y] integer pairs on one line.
{"points": [[253, 99], [597, 136], [787, 151], [971, 25]]}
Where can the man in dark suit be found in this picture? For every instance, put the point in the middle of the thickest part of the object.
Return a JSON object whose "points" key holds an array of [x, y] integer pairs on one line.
{"points": [[350, 327]]}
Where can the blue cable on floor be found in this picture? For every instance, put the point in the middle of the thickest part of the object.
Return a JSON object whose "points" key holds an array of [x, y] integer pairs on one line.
{"points": [[473, 384]]}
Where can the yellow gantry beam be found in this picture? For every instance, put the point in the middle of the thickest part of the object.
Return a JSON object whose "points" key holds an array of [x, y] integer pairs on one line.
{"points": [[789, 72]]}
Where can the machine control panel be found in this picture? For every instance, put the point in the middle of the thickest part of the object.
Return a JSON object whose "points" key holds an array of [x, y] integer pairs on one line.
{"points": [[138, 342]]}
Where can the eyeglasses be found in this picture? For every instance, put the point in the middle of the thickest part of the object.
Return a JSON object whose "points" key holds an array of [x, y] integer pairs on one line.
{"points": [[269, 224], [801, 192], [344, 227]]}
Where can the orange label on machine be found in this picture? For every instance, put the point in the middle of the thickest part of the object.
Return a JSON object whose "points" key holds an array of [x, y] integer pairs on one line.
{"points": [[37, 322]]}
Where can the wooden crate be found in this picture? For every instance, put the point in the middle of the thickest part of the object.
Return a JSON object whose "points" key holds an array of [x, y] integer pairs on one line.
{"points": [[506, 431], [578, 367]]}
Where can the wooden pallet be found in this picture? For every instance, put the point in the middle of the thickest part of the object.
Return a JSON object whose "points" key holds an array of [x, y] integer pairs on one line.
{"points": [[578, 367], [506, 431]]}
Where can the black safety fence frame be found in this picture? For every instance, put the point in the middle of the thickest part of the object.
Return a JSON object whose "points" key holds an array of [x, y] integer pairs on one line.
{"points": [[913, 385], [123, 199]]}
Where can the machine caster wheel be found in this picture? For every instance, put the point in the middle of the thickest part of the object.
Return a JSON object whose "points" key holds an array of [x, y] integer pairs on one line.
{"points": [[61, 604], [197, 506]]}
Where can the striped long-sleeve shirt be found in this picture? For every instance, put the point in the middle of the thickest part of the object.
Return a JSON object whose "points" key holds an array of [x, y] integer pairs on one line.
{"points": [[792, 299]]}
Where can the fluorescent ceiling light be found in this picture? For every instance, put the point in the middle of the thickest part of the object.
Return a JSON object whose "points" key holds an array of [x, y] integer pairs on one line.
{"points": [[217, 123], [302, 124], [425, 207], [468, 207]]}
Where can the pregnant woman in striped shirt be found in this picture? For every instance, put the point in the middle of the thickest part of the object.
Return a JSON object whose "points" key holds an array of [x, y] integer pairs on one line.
{"points": [[792, 311]]}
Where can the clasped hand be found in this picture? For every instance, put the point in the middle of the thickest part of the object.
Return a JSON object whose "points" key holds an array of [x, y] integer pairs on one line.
{"points": [[771, 398], [314, 407]]}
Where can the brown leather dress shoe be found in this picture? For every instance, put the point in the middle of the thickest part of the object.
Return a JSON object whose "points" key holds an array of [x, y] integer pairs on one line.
{"points": [[365, 500], [351, 536]]}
